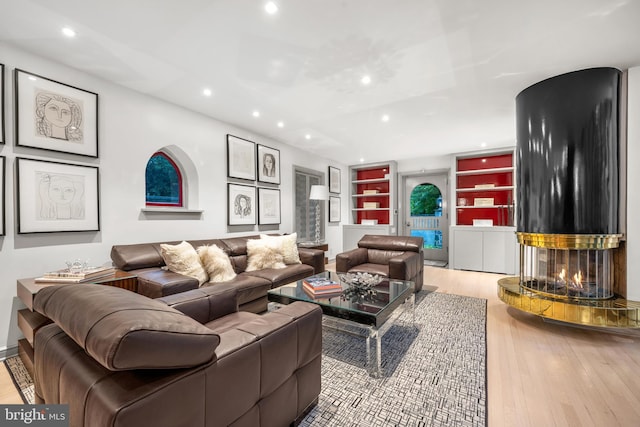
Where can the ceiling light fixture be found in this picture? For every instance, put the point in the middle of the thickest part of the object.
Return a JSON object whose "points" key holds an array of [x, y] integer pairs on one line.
{"points": [[271, 8], [256, 113], [361, 160], [484, 144], [68, 32], [280, 124], [307, 136], [365, 80], [385, 118], [207, 92]]}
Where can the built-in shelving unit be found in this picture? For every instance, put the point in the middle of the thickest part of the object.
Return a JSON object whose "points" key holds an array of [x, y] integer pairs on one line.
{"points": [[372, 201], [485, 190]]}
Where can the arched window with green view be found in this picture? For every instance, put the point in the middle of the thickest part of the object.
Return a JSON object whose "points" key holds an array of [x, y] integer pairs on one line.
{"points": [[163, 181], [426, 202]]}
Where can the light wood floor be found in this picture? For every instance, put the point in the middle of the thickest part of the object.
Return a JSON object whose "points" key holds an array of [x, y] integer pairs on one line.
{"points": [[539, 373]]}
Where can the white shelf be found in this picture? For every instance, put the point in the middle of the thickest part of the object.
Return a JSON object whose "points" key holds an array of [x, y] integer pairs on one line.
{"points": [[370, 209], [469, 190], [481, 207], [371, 195], [484, 171], [370, 181]]}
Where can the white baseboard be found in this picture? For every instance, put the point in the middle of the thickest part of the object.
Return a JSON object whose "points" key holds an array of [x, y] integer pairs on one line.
{"points": [[8, 352]]}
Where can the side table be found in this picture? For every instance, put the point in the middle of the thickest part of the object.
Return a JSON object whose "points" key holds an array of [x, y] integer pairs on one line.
{"points": [[313, 245], [30, 321]]}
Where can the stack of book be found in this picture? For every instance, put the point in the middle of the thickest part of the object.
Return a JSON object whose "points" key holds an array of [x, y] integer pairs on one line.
{"points": [[320, 287], [65, 276]]}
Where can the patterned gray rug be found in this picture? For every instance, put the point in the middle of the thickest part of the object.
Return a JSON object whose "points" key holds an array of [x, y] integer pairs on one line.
{"points": [[434, 370]]}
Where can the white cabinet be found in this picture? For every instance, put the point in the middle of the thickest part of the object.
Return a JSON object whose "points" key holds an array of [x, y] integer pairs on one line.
{"points": [[490, 249]]}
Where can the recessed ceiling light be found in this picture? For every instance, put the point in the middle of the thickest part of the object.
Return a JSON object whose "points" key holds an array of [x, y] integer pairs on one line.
{"points": [[68, 32], [385, 118], [365, 80], [271, 8], [361, 160], [256, 113], [307, 136], [207, 92], [280, 124], [484, 144]]}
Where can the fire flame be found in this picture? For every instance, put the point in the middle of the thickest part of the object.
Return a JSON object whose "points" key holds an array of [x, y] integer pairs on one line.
{"points": [[576, 279]]}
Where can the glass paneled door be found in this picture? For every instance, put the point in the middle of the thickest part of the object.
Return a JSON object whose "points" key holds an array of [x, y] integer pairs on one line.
{"points": [[426, 215]]}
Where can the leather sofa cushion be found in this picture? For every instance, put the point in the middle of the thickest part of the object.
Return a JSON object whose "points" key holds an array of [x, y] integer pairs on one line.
{"points": [[391, 243], [379, 269], [282, 276], [122, 330]]}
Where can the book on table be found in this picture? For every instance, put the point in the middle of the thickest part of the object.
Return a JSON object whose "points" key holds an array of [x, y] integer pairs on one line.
{"points": [[321, 283], [66, 276], [322, 293]]}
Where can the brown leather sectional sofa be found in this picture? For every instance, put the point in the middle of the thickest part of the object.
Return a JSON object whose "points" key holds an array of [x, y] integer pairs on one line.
{"points": [[146, 262], [396, 257], [121, 359]]}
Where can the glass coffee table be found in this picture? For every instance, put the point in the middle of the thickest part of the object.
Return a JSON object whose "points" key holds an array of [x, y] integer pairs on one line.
{"points": [[371, 316]]}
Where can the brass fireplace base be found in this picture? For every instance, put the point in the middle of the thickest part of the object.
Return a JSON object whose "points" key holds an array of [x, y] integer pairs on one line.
{"points": [[611, 313]]}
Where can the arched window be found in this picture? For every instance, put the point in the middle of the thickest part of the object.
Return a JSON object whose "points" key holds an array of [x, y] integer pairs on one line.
{"points": [[163, 181]]}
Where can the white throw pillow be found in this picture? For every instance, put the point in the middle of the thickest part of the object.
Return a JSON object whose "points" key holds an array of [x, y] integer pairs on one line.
{"points": [[183, 259], [263, 253], [216, 263], [287, 245]]}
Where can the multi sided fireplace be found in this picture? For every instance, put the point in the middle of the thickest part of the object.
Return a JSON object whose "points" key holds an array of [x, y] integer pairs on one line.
{"points": [[568, 194]]}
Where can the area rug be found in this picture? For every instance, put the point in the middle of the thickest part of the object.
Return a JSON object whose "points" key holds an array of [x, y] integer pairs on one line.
{"points": [[21, 378], [434, 371]]}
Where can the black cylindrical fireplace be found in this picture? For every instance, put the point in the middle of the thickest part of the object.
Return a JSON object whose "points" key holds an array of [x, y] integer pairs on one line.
{"points": [[567, 157], [567, 154]]}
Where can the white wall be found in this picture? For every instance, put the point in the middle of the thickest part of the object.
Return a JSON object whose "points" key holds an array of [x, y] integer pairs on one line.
{"points": [[132, 127], [633, 178]]}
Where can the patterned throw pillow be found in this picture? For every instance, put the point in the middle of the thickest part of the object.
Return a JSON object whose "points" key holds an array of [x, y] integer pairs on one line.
{"points": [[216, 263], [287, 245], [183, 259], [263, 253]]}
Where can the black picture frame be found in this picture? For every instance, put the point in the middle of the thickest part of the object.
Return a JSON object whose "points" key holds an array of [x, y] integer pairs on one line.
{"points": [[334, 180], [272, 175], [334, 209], [241, 202], [56, 197], [268, 206], [3, 174], [55, 116], [241, 158]]}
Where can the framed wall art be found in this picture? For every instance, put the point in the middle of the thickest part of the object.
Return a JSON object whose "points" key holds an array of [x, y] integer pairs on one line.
{"points": [[334, 209], [268, 164], [242, 204], [241, 158], [3, 173], [54, 197], [55, 116], [334, 180], [268, 206], [1, 103]]}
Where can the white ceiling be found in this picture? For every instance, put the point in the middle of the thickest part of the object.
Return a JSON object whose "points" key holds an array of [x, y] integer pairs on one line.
{"points": [[445, 71]]}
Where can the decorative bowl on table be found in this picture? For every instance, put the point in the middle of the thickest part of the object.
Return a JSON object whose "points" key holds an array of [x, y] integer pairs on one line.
{"points": [[361, 285]]}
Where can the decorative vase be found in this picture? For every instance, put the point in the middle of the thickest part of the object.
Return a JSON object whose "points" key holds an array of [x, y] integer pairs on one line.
{"points": [[361, 286]]}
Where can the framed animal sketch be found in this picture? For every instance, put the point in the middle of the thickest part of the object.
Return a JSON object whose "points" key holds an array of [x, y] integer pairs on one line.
{"points": [[54, 197], [55, 116], [268, 164], [242, 204], [334, 180], [241, 158], [334, 209], [268, 206]]}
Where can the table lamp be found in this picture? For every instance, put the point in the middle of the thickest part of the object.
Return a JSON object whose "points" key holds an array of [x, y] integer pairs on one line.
{"points": [[318, 193]]}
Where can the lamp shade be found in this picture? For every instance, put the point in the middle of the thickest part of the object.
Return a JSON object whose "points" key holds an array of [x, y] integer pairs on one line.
{"points": [[319, 192]]}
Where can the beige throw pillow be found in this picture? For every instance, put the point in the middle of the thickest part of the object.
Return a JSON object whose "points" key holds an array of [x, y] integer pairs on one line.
{"points": [[183, 259], [262, 253], [216, 263], [287, 245]]}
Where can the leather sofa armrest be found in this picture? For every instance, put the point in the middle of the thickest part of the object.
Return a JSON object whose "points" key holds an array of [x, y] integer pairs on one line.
{"points": [[349, 259], [207, 303], [312, 257], [404, 266], [158, 283]]}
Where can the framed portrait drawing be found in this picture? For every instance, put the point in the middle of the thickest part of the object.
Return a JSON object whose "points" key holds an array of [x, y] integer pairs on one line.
{"points": [[54, 197], [334, 180], [242, 204], [268, 164], [241, 158], [334, 209], [3, 173], [268, 206], [55, 116], [1, 103]]}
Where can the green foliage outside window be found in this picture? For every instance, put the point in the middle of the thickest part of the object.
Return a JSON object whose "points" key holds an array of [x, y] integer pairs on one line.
{"points": [[163, 181], [425, 200]]}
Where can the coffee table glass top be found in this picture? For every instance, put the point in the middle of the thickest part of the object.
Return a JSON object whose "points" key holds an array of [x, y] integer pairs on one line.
{"points": [[374, 311]]}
